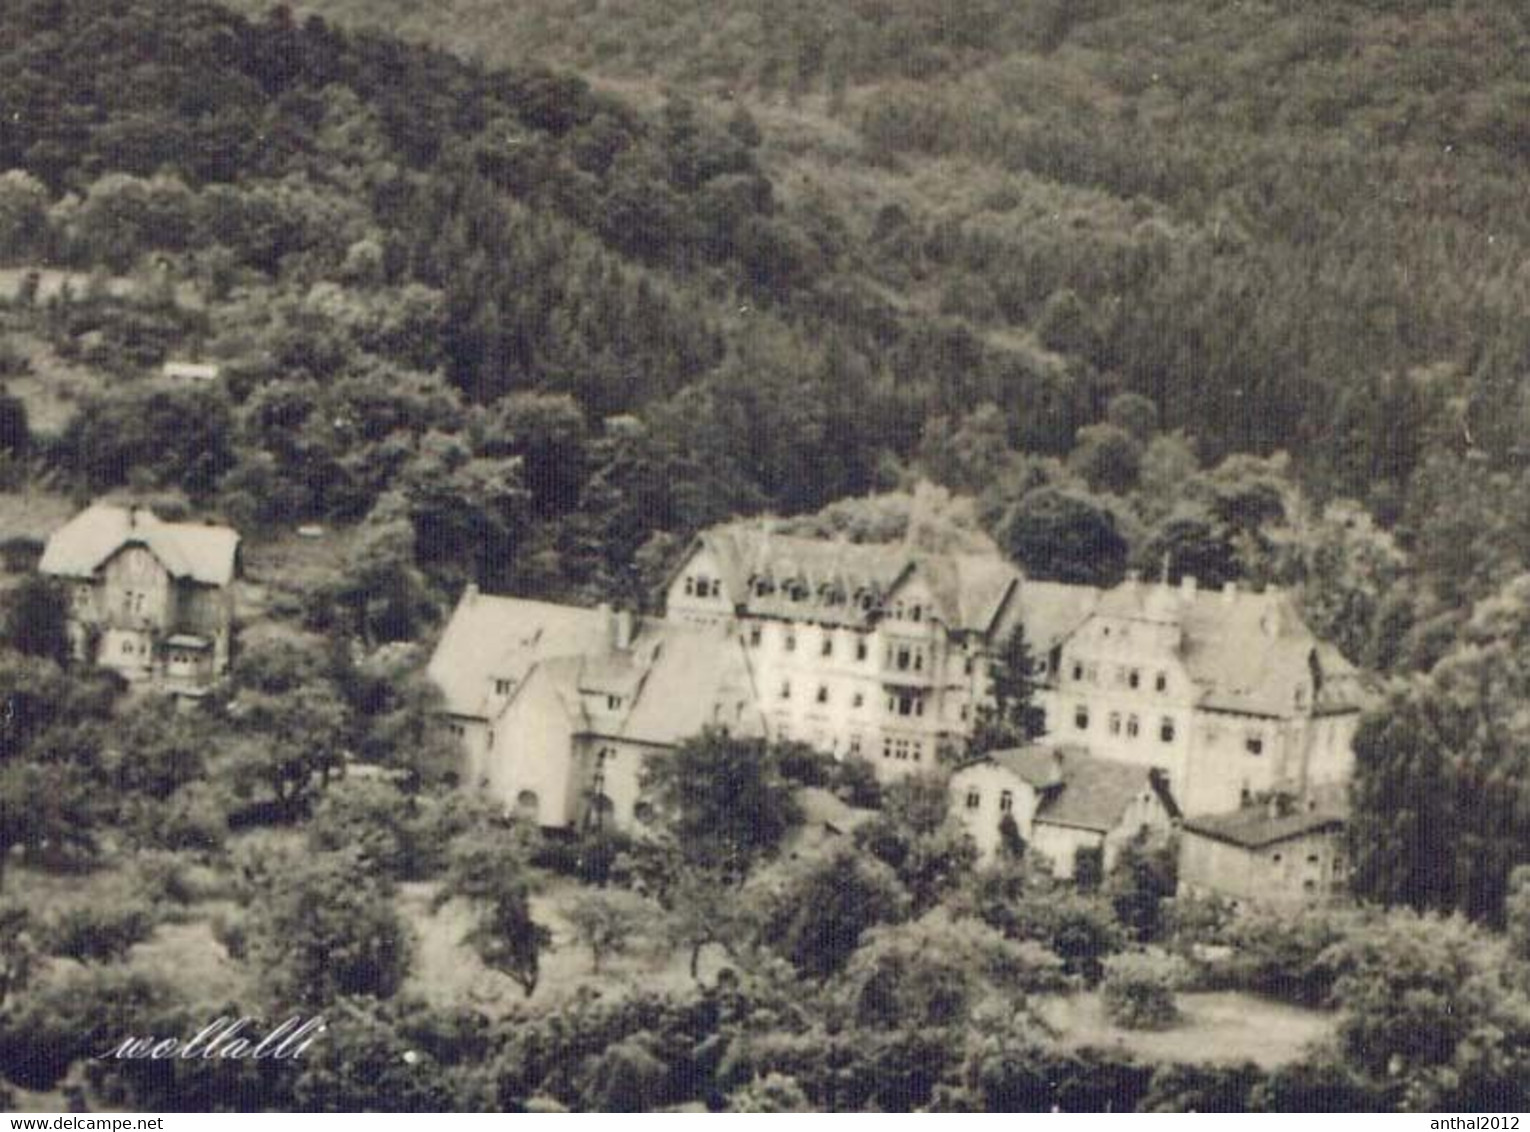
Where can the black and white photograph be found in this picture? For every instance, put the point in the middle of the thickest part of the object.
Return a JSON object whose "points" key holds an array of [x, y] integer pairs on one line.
{"points": [[765, 556]]}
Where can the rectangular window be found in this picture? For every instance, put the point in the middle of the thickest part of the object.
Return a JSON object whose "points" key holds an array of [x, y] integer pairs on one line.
{"points": [[1132, 727], [855, 744], [502, 687], [1166, 729], [1078, 672], [1134, 678], [690, 586], [1162, 683], [860, 649], [1081, 719], [754, 636], [717, 587], [858, 700], [1254, 745], [919, 660], [903, 658], [1006, 801], [963, 713], [1115, 723], [823, 693], [791, 642], [918, 750], [613, 702], [786, 689], [828, 645], [967, 666], [917, 614], [974, 799]]}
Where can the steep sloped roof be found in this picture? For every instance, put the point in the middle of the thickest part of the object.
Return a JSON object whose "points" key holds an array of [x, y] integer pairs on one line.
{"points": [[196, 551], [1077, 789], [1248, 652], [828, 576], [1050, 611], [694, 677], [490, 638], [1255, 827]]}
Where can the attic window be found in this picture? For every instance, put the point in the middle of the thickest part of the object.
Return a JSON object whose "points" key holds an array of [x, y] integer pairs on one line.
{"points": [[1006, 801], [717, 587], [502, 687], [974, 799], [1254, 745], [613, 703]]}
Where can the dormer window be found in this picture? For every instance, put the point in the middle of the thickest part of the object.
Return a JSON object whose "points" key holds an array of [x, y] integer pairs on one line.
{"points": [[502, 687], [613, 703]]}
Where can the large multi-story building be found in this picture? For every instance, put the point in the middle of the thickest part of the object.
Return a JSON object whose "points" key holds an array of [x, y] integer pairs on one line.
{"points": [[874, 651], [1226, 691], [151, 599], [883, 652]]}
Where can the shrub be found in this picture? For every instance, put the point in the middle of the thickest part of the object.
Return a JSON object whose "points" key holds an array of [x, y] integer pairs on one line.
{"points": [[99, 932], [1138, 993], [372, 818]]}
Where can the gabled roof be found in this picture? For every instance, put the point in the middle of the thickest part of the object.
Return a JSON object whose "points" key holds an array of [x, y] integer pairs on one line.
{"points": [[1078, 790], [194, 551], [1246, 651], [1050, 612], [1255, 827], [675, 681], [832, 575], [493, 638]]}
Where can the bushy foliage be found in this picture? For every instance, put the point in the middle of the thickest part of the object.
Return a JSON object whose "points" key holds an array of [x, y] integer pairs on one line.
{"points": [[1139, 988], [324, 926]]}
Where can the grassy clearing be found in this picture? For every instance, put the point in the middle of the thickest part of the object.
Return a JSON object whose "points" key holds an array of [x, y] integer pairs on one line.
{"points": [[1217, 1026]]}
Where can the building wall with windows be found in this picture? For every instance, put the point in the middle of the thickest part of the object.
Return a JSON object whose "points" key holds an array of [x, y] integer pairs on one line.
{"points": [[1254, 859], [1225, 691], [149, 599]]}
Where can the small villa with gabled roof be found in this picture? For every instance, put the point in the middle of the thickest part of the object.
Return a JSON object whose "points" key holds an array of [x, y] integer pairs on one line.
{"points": [[150, 599]]}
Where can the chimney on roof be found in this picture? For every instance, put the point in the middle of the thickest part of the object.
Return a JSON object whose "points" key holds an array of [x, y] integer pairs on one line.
{"points": [[133, 510], [1188, 585], [1229, 591], [622, 626], [471, 593]]}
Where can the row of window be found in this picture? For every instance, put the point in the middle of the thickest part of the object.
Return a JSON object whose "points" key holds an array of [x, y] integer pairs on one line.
{"points": [[1130, 724], [699, 585], [905, 703], [1006, 800], [1084, 673], [825, 646]]}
